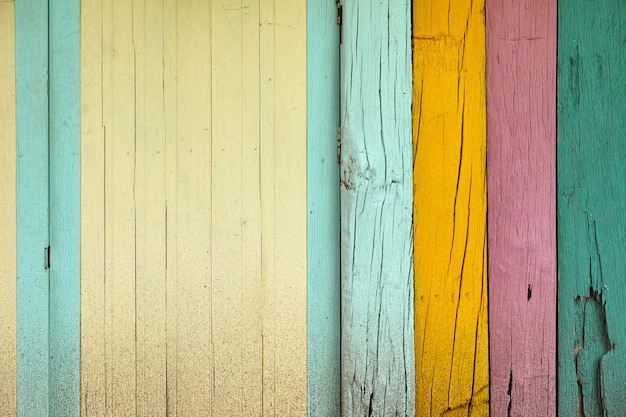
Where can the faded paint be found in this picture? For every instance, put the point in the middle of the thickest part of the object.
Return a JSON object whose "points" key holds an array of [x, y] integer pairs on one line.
{"points": [[193, 118], [8, 382], [377, 355], [521, 126], [591, 200], [449, 130]]}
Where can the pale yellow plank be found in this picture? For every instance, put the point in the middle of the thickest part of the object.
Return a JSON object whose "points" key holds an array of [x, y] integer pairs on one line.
{"points": [[92, 212], [226, 165], [195, 368], [120, 209], [150, 200], [290, 207], [170, 103], [8, 381]]}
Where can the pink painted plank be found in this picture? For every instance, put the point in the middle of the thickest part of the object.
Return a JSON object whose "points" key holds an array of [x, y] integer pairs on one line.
{"points": [[521, 160]]}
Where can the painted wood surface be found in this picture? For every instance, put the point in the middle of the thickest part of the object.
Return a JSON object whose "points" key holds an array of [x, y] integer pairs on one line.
{"points": [[31, 68], [449, 130], [521, 126], [324, 287], [591, 200], [64, 139], [193, 220], [378, 367], [8, 350]]}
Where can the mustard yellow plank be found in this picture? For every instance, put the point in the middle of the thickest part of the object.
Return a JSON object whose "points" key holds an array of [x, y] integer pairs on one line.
{"points": [[150, 210], [92, 212], [8, 380], [449, 124]]}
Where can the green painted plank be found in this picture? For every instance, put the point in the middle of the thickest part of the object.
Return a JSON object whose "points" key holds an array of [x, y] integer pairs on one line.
{"points": [[377, 357], [31, 67], [324, 379], [64, 111], [591, 200]]}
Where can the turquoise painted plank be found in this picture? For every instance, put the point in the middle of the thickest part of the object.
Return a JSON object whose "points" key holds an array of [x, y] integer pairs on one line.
{"points": [[377, 357], [591, 199], [31, 67], [324, 378], [64, 207]]}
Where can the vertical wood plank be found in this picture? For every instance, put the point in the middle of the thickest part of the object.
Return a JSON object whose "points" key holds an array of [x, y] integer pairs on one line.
{"points": [[376, 203], [150, 209], [521, 75], [8, 352], [92, 213], [31, 68], [289, 111], [64, 47], [324, 283], [195, 366], [591, 199], [449, 127]]}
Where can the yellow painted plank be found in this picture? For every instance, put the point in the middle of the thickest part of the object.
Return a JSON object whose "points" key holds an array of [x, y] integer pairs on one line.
{"points": [[150, 209], [8, 382], [450, 208], [290, 205], [92, 212]]}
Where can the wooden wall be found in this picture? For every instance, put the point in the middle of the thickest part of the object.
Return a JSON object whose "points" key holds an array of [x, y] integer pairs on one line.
{"points": [[8, 348], [193, 194], [450, 208]]}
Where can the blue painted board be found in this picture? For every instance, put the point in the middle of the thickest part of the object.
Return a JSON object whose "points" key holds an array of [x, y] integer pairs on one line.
{"points": [[31, 67], [324, 378], [64, 65]]}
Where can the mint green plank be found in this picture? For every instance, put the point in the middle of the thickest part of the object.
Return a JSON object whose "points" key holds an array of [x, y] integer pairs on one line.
{"points": [[591, 201], [324, 379], [31, 67], [377, 336], [64, 207]]}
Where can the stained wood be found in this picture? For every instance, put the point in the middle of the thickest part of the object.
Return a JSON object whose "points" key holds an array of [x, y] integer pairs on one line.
{"points": [[449, 130], [8, 157], [324, 287], [376, 210], [591, 171], [196, 224], [32, 198], [521, 126], [64, 302]]}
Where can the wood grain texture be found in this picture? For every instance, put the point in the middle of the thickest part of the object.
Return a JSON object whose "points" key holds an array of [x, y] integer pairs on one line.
{"points": [[449, 130], [324, 283], [376, 210], [32, 198], [8, 352], [194, 235], [521, 126], [64, 302], [591, 222]]}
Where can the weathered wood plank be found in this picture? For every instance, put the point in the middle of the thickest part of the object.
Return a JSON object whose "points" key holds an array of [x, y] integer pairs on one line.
{"points": [[591, 200], [449, 127], [64, 110], [8, 349], [521, 126], [376, 203], [324, 287], [92, 216], [31, 69]]}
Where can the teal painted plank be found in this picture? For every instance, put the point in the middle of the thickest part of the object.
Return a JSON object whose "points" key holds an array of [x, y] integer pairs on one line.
{"points": [[324, 379], [377, 358], [64, 207], [591, 200], [31, 67]]}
